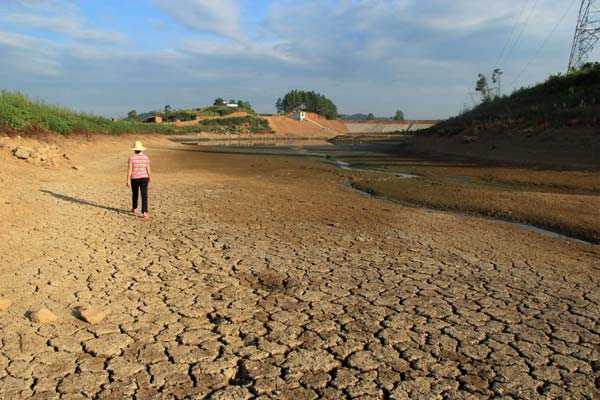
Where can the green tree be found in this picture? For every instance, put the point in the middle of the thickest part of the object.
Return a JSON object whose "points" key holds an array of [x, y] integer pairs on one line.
{"points": [[311, 101], [132, 114], [245, 104], [370, 117], [483, 88], [399, 115], [219, 102], [496, 75], [168, 108]]}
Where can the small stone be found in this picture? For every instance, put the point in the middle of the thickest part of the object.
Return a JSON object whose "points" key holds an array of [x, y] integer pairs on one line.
{"points": [[94, 314], [5, 303], [22, 153], [77, 167], [43, 316]]}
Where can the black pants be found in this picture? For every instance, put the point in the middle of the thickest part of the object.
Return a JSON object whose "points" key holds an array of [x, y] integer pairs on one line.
{"points": [[136, 186]]}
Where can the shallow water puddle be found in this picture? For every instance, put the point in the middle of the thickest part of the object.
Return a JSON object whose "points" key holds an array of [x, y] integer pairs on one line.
{"points": [[346, 166]]}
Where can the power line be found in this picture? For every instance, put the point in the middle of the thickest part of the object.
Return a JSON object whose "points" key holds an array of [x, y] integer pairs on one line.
{"points": [[537, 54], [535, 4], [512, 32]]}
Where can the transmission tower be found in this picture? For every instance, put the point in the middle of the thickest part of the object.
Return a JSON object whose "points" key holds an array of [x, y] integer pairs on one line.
{"points": [[587, 33]]}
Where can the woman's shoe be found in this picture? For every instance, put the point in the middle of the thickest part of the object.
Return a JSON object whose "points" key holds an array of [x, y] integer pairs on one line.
{"points": [[134, 211]]}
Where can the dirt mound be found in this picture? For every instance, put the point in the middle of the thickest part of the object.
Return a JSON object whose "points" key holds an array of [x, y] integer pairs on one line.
{"points": [[34, 152], [317, 127]]}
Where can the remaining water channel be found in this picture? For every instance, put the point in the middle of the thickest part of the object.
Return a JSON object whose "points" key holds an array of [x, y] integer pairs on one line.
{"points": [[332, 154]]}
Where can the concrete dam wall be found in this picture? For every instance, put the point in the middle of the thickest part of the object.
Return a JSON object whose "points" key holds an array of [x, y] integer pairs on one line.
{"points": [[387, 126]]}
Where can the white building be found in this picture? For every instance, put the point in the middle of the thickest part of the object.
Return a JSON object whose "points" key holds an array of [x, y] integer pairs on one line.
{"points": [[299, 115], [232, 105]]}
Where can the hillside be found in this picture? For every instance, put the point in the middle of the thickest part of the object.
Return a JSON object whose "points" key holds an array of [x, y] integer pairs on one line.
{"points": [[20, 115], [553, 123], [314, 126], [195, 114]]}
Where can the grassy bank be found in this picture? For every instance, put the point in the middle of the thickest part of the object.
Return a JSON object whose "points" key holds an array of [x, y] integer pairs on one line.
{"points": [[561, 101], [21, 115], [554, 123]]}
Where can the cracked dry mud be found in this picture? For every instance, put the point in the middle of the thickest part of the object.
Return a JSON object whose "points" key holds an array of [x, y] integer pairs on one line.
{"points": [[261, 277]]}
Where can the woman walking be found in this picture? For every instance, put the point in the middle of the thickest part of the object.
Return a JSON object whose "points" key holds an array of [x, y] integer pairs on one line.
{"points": [[138, 178]]}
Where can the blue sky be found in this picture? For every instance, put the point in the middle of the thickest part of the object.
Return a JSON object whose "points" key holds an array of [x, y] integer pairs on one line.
{"points": [[420, 56]]}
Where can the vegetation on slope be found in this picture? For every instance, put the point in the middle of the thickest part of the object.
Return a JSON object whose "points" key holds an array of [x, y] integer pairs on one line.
{"points": [[562, 101], [248, 123], [21, 115], [218, 109]]}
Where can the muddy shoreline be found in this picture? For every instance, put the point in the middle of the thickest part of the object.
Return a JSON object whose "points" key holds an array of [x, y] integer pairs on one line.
{"points": [[439, 180]]}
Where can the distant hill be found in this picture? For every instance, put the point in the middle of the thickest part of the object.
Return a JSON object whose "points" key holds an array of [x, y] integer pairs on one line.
{"points": [[20, 115], [191, 114], [555, 122]]}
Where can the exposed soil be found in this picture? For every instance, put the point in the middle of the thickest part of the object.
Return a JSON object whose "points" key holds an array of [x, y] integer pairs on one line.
{"points": [[566, 201], [566, 147], [259, 275], [286, 126]]}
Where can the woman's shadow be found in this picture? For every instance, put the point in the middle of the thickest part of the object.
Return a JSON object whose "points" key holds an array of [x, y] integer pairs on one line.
{"points": [[83, 202]]}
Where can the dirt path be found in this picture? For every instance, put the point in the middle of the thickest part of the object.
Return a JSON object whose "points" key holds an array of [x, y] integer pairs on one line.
{"points": [[261, 276]]}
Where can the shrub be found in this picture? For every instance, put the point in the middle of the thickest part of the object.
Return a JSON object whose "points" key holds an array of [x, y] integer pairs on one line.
{"points": [[254, 124]]}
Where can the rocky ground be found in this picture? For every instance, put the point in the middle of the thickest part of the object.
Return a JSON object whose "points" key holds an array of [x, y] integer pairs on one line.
{"points": [[261, 277]]}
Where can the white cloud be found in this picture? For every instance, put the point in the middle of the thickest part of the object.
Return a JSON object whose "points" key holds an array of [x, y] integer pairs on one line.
{"points": [[467, 15], [218, 17], [41, 5], [29, 55], [57, 16], [273, 50], [68, 25]]}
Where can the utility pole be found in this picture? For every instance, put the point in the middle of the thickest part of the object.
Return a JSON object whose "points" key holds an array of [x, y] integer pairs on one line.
{"points": [[587, 33]]}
